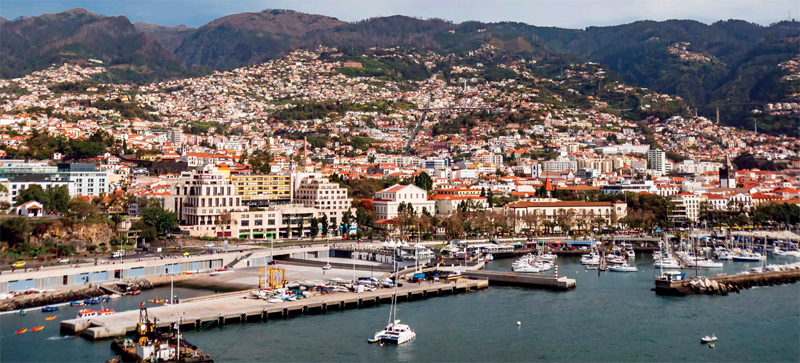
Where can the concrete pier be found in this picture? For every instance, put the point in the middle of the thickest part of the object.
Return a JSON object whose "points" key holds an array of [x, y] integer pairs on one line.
{"points": [[239, 308], [520, 279], [726, 284]]}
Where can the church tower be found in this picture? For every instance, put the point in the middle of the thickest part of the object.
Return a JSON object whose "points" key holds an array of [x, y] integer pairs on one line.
{"points": [[727, 176]]}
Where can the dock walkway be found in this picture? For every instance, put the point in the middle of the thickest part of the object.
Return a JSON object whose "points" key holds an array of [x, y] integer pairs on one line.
{"points": [[520, 279], [241, 308]]}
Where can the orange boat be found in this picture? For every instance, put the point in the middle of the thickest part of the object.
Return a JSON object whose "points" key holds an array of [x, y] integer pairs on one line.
{"points": [[21, 331], [107, 312], [35, 329], [50, 318], [137, 292], [156, 301], [141, 304]]}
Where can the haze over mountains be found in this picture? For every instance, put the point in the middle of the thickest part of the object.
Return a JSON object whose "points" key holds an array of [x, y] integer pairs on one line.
{"points": [[730, 61]]}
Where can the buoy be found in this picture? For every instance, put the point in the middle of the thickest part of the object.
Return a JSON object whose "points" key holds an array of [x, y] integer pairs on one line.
{"points": [[381, 344], [519, 323]]}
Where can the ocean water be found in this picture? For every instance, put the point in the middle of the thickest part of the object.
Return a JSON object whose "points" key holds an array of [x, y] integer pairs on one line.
{"points": [[610, 317]]}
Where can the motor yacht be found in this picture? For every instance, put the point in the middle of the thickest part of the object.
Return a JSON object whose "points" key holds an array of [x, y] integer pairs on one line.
{"points": [[623, 268]]}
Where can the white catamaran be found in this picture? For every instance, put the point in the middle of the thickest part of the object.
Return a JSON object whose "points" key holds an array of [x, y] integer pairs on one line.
{"points": [[394, 332]]}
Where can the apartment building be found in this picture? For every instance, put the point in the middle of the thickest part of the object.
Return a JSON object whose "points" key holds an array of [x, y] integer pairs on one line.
{"points": [[205, 203], [329, 198], [263, 189]]}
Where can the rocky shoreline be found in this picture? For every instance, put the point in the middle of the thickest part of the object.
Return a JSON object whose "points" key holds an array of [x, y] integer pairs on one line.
{"points": [[50, 298]]}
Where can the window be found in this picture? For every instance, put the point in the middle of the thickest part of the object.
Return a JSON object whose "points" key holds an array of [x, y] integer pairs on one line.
{"points": [[245, 223]]}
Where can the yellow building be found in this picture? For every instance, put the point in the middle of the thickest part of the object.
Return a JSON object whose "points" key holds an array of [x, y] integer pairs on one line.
{"points": [[263, 189]]}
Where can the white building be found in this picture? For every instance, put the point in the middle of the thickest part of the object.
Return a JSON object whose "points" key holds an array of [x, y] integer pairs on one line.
{"points": [[388, 200], [687, 207], [88, 179], [560, 164], [18, 184], [203, 201], [657, 160], [327, 197]]}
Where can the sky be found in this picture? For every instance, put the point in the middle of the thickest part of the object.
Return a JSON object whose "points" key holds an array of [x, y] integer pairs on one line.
{"points": [[559, 13]]}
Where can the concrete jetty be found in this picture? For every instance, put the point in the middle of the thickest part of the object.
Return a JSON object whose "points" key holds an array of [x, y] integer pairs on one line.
{"points": [[725, 284], [520, 279], [239, 307]]}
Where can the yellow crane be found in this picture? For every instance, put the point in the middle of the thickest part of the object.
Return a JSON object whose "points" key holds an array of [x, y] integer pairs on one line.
{"points": [[277, 277]]}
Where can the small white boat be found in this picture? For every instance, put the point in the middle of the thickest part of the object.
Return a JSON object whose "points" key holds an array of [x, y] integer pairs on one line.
{"points": [[114, 296], [631, 253], [623, 268], [489, 257], [702, 263], [526, 269], [667, 263], [615, 259], [592, 266], [327, 266], [709, 339]]}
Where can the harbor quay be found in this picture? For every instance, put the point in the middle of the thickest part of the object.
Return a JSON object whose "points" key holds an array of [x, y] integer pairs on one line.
{"points": [[240, 307]]}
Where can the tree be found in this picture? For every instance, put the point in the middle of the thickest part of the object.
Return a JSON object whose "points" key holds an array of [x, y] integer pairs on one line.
{"points": [[32, 193], [424, 181], [57, 199], [15, 231], [300, 226], [313, 225], [483, 192], [347, 219], [325, 226], [490, 198], [159, 218], [146, 231], [81, 208]]}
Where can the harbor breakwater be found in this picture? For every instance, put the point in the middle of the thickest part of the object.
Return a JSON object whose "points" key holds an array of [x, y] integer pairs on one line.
{"points": [[723, 285], [49, 298], [45, 298]]}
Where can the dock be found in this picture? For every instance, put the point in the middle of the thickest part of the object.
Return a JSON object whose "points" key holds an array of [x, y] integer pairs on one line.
{"points": [[241, 308], [521, 279], [722, 285]]}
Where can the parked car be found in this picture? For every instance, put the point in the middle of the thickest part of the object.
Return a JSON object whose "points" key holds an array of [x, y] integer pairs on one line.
{"points": [[209, 245], [18, 264], [63, 260]]}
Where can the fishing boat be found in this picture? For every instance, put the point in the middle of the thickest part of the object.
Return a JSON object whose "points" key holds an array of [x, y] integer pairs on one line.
{"points": [[107, 312], [709, 339], [76, 303], [23, 330], [623, 268], [49, 309], [86, 313], [94, 301], [50, 318], [38, 328], [394, 332]]}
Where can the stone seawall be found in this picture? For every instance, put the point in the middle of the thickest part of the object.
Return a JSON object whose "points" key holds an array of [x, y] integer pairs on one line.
{"points": [[49, 298]]}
